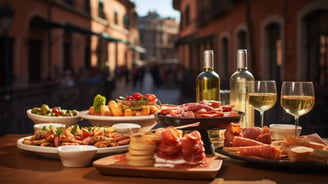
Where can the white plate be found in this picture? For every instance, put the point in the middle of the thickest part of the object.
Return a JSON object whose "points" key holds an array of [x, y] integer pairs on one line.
{"points": [[51, 152], [67, 120], [143, 121]]}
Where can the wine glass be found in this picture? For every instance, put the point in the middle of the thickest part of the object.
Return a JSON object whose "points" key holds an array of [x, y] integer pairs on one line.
{"points": [[262, 95], [297, 99]]}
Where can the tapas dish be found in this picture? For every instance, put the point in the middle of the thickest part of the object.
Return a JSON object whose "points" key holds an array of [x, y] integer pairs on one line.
{"points": [[47, 139], [165, 152], [256, 145], [211, 115]]}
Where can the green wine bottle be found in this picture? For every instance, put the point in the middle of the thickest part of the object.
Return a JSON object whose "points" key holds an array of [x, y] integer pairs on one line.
{"points": [[208, 81]]}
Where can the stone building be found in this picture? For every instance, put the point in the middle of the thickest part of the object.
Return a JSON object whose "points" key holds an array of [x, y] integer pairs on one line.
{"points": [[286, 40], [48, 39], [158, 35]]}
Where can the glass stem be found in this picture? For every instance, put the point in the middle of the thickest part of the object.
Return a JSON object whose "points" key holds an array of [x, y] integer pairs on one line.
{"points": [[296, 126], [262, 118]]}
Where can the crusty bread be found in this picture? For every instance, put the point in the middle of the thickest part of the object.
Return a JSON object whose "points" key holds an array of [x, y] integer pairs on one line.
{"points": [[306, 154]]}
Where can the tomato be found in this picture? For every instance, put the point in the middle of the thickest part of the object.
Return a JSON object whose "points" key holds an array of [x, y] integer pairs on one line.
{"points": [[56, 111], [129, 98], [56, 141], [49, 135], [137, 96], [150, 97]]}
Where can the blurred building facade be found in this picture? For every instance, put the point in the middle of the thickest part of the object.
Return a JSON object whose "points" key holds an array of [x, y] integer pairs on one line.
{"points": [[158, 35], [286, 40], [48, 39]]}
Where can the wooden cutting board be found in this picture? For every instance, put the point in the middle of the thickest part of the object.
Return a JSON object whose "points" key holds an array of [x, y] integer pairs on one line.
{"points": [[115, 165]]}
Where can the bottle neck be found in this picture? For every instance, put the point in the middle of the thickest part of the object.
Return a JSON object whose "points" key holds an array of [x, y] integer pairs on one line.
{"points": [[241, 59], [208, 60]]}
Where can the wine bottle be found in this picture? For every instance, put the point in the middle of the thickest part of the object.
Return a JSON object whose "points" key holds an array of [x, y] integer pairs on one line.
{"points": [[208, 81], [238, 89]]}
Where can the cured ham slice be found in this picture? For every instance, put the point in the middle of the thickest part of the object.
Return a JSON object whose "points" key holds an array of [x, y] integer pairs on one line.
{"points": [[256, 133], [170, 144], [193, 147], [202, 109], [173, 149], [232, 130], [251, 132], [242, 141], [262, 151]]}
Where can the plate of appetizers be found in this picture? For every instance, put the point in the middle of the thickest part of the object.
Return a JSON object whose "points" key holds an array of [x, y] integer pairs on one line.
{"points": [[165, 153], [211, 115], [45, 141], [255, 145], [51, 152], [137, 108], [285, 162]]}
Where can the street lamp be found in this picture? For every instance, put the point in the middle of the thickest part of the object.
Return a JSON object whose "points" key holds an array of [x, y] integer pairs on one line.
{"points": [[6, 17]]}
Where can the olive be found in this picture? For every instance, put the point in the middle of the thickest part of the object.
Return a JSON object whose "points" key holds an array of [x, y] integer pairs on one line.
{"points": [[44, 109], [74, 112], [35, 110]]}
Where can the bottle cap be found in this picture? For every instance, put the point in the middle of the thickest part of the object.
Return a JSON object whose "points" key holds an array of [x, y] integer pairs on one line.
{"points": [[242, 58], [208, 59]]}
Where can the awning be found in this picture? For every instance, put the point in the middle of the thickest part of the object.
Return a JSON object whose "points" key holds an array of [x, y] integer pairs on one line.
{"points": [[138, 49], [74, 28], [109, 38], [126, 42], [44, 23]]}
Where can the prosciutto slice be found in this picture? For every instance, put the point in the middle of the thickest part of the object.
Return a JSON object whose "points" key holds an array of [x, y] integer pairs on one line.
{"points": [[170, 145], [192, 147], [243, 141], [262, 151]]}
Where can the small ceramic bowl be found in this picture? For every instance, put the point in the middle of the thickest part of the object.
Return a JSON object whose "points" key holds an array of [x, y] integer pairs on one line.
{"points": [[76, 155], [280, 131], [41, 125], [126, 127]]}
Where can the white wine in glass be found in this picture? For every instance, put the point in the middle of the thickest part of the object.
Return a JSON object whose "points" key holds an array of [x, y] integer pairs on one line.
{"points": [[297, 99], [262, 96]]}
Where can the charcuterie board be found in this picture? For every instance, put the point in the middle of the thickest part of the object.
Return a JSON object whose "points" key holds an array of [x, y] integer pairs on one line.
{"points": [[115, 165]]}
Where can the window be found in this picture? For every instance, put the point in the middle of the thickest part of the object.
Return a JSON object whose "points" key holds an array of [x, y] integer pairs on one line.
{"points": [[225, 56], [274, 49], [186, 17], [126, 21], [316, 64], [34, 60], [242, 40], [87, 6], [101, 12], [69, 2], [115, 17]]}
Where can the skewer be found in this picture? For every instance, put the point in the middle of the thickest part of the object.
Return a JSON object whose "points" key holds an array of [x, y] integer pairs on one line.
{"points": [[178, 127]]}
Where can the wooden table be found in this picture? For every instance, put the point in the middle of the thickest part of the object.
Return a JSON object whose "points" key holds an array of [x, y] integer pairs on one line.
{"points": [[19, 166]]}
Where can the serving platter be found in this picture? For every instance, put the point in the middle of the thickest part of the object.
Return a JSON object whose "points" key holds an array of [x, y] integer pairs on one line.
{"points": [[146, 122], [207, 123], [115, 166], [283, 163], [51, 152]]}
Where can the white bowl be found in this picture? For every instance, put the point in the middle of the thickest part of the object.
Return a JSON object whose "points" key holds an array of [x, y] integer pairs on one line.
{"points": [[67, 120], [41, 125], [76, 155], [126, 127], [280, 131]]}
